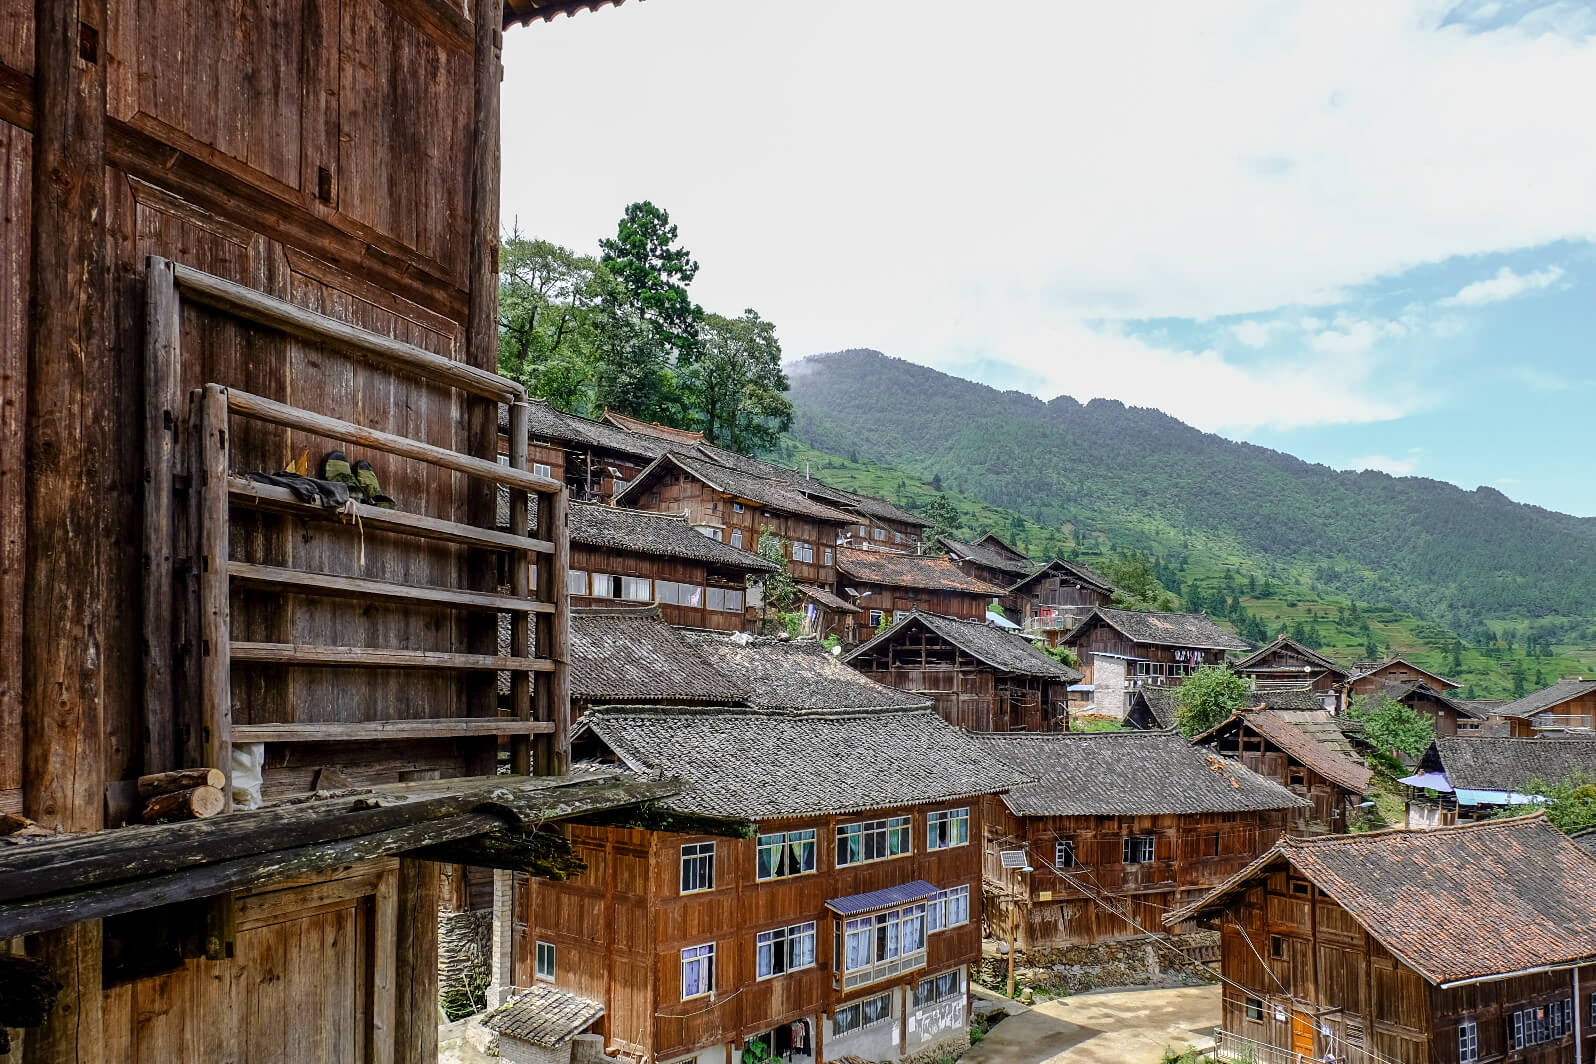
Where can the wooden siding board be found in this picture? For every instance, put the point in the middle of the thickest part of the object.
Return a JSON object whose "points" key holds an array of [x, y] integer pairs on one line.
{"points": [[15, 185]]}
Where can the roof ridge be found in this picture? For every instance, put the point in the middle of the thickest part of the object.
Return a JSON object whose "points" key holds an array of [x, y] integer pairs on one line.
{"points": [[1321, 841]]}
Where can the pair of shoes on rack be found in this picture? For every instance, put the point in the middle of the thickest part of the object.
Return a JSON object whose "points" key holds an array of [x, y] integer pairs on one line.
{"points": [[360, 478]]}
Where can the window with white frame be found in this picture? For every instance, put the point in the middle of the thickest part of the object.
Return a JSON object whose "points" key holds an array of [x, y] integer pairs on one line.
{"points": [[881, 945], [862, 1014], [1138, 849], [784, 949], [725, 600], [829, 556], [876, 617], [949, 908], [878, 533], [939, 988], [803, 552], [785, 853], [1515, 1031], [1468, 1042], [678, 594], [698, 971], [873, 840], [637, 589], [576, 582], [737, 538], [698, 867], [737, 507], [606, 585], [1255, 1010], [1064, 853], [712, 533], [545, 961], [946, 828], [541, 469]]}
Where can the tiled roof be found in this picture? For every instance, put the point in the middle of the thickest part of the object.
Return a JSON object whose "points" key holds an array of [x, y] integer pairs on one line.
{"points": [[652, 428], [826, 600], [1073, 570], [1489, 898], [545, 1015], [983, 552], [1367, 668], [1547, 697], [549, 423], [796, 674], [1303, 699], [1002, 650], [1585, 840], [1505, 764], [1312, 739], [1196, 630], [628, 654], [1162, 702], [924, 571], [1399, 691], [902, 894], [1285, 642], [766, 491], [1128, 773], [762, 764], [645, 532]]}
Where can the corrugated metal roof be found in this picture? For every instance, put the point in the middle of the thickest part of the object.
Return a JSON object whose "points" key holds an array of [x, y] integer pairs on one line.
{"points": [[886, 898]]}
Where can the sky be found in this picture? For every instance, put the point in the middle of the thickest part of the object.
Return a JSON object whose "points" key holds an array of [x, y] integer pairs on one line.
{"points": [[1359, 232]]}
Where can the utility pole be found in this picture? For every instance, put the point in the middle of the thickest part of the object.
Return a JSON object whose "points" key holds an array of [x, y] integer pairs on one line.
{"points": [[1023, 913]]}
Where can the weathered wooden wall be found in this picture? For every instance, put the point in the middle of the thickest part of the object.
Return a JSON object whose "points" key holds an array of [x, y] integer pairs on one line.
{"points": [[591, 560], [967, 692], [15, 187]]}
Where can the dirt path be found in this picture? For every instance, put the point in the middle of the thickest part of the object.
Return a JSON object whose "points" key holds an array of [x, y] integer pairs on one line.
{"points": [[1115, 1027]]}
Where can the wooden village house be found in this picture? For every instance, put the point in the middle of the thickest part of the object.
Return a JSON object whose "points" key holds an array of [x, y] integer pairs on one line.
{"points": [[1303, 750], [238, 234], [634, 556], [798, 903], [980, 677], [1372, 676], [1055, 598], [886, 586], [1448, 715], [1566, 707], [989, 559], [737, 507], [629, 655], [1119, 828], [1286, 663], [1456, 945], [594, 459], [1474, 777], [1121, 650]]}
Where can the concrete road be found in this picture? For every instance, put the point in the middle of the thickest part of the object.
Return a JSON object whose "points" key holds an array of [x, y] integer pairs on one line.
{"points": [[1108, 1027]]}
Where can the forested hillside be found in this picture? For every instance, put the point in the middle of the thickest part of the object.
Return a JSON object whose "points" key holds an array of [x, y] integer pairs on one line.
{"points": [[1103, 474]]}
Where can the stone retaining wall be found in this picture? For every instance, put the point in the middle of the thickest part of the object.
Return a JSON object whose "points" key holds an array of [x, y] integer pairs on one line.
{"points": [[1126, 962]]}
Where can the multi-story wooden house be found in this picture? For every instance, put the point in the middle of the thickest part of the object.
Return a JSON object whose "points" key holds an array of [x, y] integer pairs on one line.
{"points": [[1118, 828], [1056, 598], [1371, 676], [824, 613], [1456, 945], [800, 904], [737, 508], [886, 585], [1304, 751], [990, 559], [1479, 776], [1567, 706], [621, 555], [1446, 714], [594, 459], [1287, 663], [236, 234], [1121, 650], [980, 677]]}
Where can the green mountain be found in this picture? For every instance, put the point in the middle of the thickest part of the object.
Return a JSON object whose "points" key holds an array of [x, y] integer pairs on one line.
{"points": [[1085, 480]]}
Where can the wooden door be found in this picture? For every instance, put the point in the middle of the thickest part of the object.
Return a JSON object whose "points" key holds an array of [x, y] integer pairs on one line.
{"points": [[1302, 1035]]}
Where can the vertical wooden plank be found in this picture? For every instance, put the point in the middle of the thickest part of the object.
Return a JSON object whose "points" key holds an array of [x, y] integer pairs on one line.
{"points": [[559, 625], [415, 1012], [15, 182], [384, 940], [162, 413], [215, 741], [521, 585], [70, 378]]}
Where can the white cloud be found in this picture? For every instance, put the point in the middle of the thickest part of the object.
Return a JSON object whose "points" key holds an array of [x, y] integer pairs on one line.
{"points": [[1381, 463], [1257, 334], [901, 175], [1505, 285], [1539, 380]]}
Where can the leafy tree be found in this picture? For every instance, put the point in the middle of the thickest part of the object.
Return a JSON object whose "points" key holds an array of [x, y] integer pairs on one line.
{"points": [[549, 316], [1571, 804], [936, 482], [1391, 725], [1207, 697], [1063, 655], [1457, 656], [944, 518], [736, 387], [1137, 586], [780, 590]]}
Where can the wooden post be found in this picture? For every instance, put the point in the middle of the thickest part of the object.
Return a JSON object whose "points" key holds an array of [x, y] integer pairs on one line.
{"points": [[416, 978], [559, 627], [71, 378], [213, 745], [521, 586], [162, 416]]}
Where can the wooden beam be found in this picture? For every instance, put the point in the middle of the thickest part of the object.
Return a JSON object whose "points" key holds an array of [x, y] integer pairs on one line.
{"points": [[281, 500], [255, 305], [212, 444], [332, 428], [366, 731], [652, 817], [300, 654], [298, 581], [545, 854], [164, 413], [415, 997], [521, 585]]}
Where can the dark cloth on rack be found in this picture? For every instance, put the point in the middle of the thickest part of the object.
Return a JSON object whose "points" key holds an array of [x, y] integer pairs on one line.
{"points": [[328, 493]]}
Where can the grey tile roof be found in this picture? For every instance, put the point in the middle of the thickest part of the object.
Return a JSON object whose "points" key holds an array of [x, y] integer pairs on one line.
{"points": [[1311, 739], [902, 894], [1285, 642], [1196, 630], [1128, 773], [1369, 668], [1585, 840], [766, 491], [628, 654], [544, 1015], [1162, 703], [763, 764], [797, 674], [645, 532], [1074, 570], [549, 423], [1498, 763], [827, 600], [1399, 692], [1304, 700], [928, 572], [1001, 649], [1493, 897], [984, 552], [1547, 697]]}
